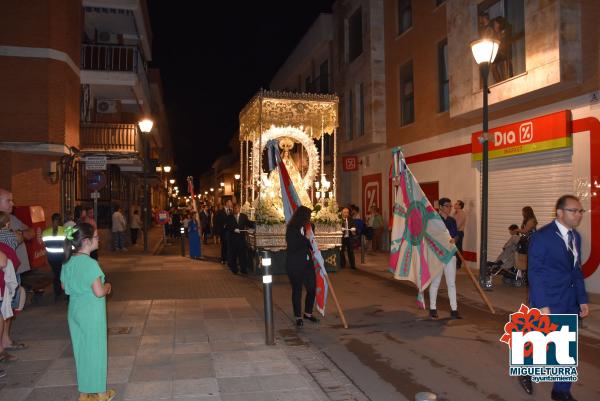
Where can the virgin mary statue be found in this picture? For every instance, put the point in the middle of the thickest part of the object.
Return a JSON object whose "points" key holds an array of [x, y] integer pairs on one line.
{"points": [[286, 144]]}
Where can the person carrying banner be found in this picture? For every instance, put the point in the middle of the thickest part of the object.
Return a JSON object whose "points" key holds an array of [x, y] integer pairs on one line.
{"points": [[54, 241], [348, 234], [299, 265], [449, 269]]}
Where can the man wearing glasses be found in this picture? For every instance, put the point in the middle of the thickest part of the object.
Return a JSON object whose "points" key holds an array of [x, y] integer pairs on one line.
{"points": [[449, 269], [554, 269]]}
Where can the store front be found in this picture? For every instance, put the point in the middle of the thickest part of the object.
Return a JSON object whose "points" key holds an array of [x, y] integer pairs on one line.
{"points": [[533, 161]]}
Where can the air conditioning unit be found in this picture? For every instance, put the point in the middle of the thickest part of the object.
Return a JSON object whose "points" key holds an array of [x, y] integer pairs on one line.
{"points": [[107, 106], [108, 37]]}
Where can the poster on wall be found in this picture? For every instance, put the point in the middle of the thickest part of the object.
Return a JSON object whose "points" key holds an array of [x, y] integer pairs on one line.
{"points": [[371, 192]]}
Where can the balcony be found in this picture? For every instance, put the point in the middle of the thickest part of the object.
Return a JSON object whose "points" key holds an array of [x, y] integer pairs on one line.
{"points": [[110, 138], [113, 70]]}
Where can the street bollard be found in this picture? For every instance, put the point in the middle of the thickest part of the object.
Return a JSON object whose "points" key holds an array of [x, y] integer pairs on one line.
{"points": [[425, 396], [268, 297], [181, 232]]}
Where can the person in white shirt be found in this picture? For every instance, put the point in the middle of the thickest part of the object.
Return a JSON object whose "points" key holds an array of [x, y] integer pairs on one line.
{"points": [[118, 229]]}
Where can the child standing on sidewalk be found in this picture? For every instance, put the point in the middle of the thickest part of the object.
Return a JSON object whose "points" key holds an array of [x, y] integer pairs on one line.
{"points": [[83, 280]]}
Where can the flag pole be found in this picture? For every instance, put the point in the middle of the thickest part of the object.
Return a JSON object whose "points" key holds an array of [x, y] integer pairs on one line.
{"points": [[337, 304], [476, 283]]}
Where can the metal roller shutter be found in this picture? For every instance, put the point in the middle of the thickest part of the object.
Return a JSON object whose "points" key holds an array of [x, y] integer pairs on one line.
{"points": [[536, 180]]}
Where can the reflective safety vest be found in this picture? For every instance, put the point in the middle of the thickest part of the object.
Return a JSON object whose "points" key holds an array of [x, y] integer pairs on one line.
{"points": [[54, 242]]}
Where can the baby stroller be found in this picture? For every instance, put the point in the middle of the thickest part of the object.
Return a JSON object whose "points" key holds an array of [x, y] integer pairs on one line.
{"points": [[511, 264]]}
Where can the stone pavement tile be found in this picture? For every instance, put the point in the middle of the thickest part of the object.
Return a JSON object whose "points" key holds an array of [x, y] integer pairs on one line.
{"points": [[190, 337], [159, 330], [295, 395], [63, 364], [156, 339], [283, 382], [192, 348], [275, 367], [259, 396], [267, 355], [219, 346], [149, 390], [198, 398], [156, 349], [195, 387], [67, 393], [54, 378], [43, 350], [239, 312], [257, 337], [150, 374], [21, 380], [14, 394], [199, 372], [224, 335], [157, 359], [27, 367], [123, 346], [239, 384], [119, 375], [216, 313], [235, 369], [231, 356], [117, 362]]}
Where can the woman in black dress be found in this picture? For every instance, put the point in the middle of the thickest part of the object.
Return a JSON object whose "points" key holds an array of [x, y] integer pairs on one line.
{"points": [[299, 265]]}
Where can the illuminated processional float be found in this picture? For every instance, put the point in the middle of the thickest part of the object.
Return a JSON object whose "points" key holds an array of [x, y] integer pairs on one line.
{"points": [[304, 127]]}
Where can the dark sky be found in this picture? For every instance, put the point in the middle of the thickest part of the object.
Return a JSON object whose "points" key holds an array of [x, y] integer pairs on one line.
{"points": [[213, 57]]}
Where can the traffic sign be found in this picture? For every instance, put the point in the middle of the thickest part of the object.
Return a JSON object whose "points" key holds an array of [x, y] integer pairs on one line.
{"points": [[95, 163], [96, 180]]}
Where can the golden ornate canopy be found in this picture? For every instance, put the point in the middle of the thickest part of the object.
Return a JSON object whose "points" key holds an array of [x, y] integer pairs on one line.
{"points": [[317, 113]]}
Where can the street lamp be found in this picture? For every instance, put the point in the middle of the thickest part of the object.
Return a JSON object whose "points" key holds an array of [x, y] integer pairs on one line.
{"points": [[172, 181], [167, 169], [146, 126], [237, 176], [484, 51]]}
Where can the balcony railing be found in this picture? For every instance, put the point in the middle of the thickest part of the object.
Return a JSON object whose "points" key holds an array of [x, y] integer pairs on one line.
{"points": [[114, 58], [111, 58], [110, 138]]}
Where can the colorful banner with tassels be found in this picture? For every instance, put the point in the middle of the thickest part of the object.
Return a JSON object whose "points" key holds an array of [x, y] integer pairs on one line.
{"points": [[420, 246]]}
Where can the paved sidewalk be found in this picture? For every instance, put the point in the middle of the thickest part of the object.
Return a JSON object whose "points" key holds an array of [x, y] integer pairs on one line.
{"points": [[505, 299], [179, 330]]}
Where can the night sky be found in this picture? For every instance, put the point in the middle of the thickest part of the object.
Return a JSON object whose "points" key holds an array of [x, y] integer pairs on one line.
{"points": [[213, 57]]}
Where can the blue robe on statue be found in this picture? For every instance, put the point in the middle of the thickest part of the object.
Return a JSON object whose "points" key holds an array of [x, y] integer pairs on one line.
{"points": [[194, 239]]}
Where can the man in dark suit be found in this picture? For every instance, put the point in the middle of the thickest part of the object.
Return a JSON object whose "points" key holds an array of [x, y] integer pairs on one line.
{"points": [[219, 227], [348, 237], [236, 224], [205, 217], [554, 269]]}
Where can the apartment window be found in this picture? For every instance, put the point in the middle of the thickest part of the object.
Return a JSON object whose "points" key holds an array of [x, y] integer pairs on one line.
{"points": [[444, 83], [355, 35], [504, 20], [404, 15], [407, 94], [324, 76], [361, 110], [350, 120], [308, 84]]}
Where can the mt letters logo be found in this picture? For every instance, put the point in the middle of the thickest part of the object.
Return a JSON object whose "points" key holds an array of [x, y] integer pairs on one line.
{"points": [[543, 346]]}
